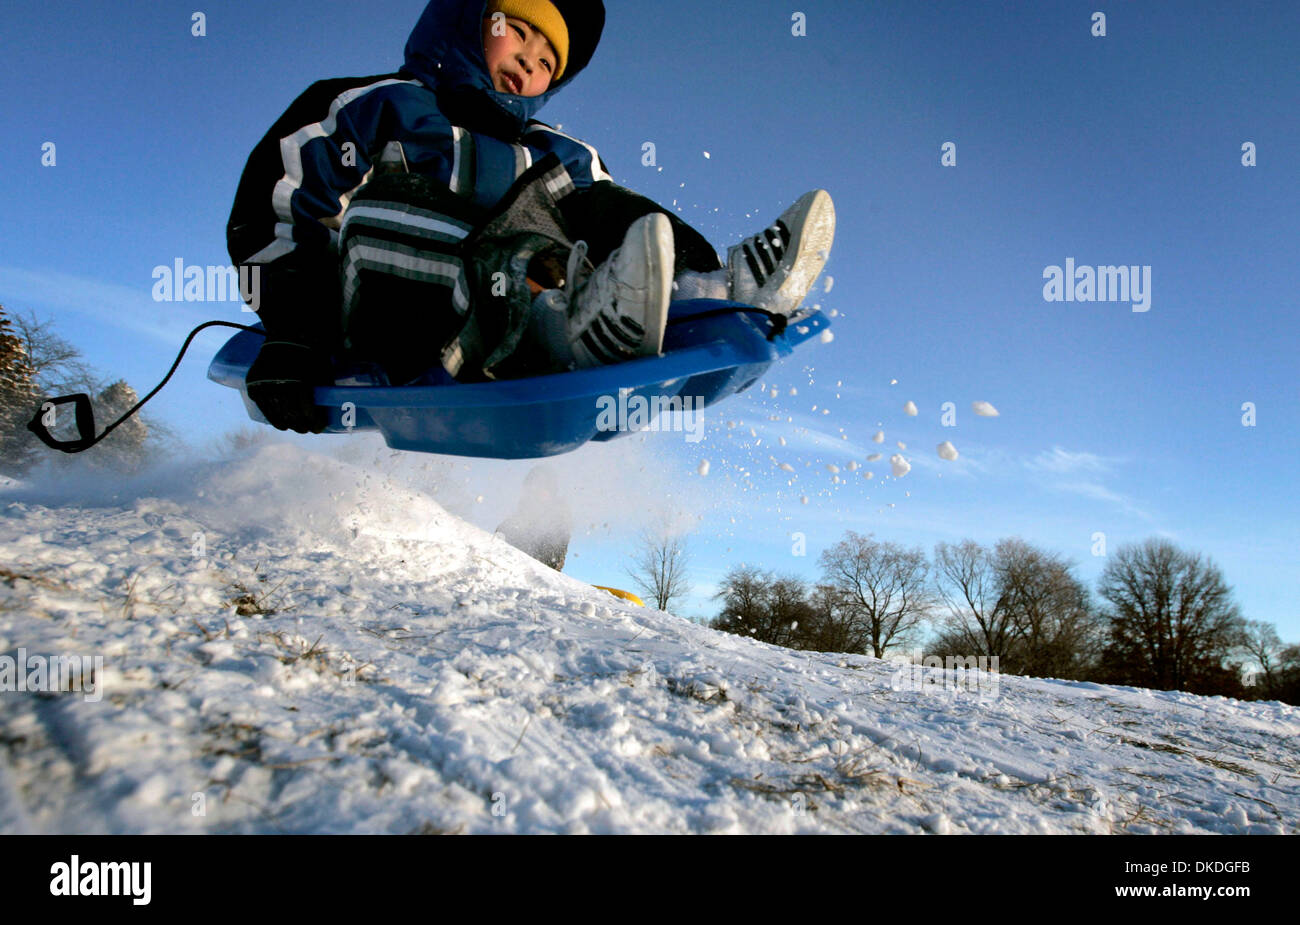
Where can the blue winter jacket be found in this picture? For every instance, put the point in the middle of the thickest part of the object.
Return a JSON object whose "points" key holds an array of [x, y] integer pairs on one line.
{"points": [[439, 116]]}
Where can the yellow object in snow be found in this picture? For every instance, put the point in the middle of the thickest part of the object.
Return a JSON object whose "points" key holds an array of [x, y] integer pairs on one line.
{"points": [[625, 595]]}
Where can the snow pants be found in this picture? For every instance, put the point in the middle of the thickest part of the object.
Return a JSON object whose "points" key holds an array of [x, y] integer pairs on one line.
{"points": [[434, 287]]}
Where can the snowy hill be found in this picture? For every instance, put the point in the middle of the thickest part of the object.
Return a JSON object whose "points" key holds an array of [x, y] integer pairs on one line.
{"points": [[291, 644]]}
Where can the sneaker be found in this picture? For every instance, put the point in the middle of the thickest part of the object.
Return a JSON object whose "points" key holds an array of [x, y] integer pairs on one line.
{"points": [[775, 268], [620, 311]]}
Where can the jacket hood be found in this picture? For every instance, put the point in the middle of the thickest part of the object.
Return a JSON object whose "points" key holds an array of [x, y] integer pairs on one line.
{"points": [[445, 51]]}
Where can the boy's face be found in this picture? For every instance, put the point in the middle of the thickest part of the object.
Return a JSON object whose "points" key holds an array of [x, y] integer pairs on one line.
{"points": [[520, 60]]}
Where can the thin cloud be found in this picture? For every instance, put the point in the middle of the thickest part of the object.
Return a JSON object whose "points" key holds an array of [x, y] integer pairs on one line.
{"points": [[130, 308], [1099, 492], [1065, 462], [802, 435], [1078, 472]]}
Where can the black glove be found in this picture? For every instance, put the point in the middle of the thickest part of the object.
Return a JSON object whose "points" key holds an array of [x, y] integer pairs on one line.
{"points": [[281, 380]]}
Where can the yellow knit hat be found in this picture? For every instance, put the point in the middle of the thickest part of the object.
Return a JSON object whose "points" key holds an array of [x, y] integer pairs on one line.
{"points": [[545, 18]]}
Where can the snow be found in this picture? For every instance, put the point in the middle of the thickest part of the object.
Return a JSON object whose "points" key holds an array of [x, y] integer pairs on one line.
{"points": [[984, 409], [910, 408], [947, 450], [899, 465], [292, 643]]}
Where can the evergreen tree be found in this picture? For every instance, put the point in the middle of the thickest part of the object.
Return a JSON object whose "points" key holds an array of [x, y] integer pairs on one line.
{"points": [[19, 400], [126, 448]]}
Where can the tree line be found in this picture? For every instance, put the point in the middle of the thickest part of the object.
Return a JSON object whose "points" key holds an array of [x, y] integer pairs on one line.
{"points": [[1160, 616]]}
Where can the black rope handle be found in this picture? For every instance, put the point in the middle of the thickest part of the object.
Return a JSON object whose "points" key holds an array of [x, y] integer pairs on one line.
{"points": [[85, 415]]}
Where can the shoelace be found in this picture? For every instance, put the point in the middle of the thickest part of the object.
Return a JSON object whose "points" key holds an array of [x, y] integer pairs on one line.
{"points": [[576, 256]]}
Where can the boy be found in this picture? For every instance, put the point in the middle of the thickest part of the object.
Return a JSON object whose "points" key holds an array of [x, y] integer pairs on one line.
{"points": [[425, 215]]}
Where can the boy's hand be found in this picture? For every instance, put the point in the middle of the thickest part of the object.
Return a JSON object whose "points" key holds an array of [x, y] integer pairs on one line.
{"points": [[281, 381]]}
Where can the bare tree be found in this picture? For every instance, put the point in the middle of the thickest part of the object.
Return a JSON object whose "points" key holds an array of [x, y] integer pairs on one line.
{"points": [[744, 599], [1057, 633], [834, 625], [1173, 623], [789, 614], [659, 567], [882, 585], [57, 367], [980, 620], [1017, 602], [1261, 644], [762, 606], [1287, 687]]}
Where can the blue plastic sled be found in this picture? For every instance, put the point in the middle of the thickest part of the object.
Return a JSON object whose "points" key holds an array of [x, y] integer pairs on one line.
{"points": [[704, 360]]}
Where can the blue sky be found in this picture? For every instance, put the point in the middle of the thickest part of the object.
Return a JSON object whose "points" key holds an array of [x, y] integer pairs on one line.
{"points": [[1122, 149]]}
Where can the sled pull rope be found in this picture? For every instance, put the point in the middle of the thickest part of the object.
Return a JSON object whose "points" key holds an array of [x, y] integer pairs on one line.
{"points": [[777, 320], [85, 414]]}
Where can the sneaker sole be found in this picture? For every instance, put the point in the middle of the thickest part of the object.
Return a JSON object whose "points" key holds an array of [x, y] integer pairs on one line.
{"points": [[658, 256], [658, 320], [811, 248]]}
